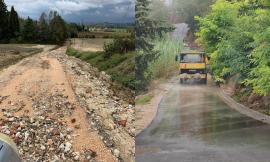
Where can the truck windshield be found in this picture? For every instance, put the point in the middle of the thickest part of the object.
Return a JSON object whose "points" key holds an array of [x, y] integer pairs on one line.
{"points": [[192, 58]]}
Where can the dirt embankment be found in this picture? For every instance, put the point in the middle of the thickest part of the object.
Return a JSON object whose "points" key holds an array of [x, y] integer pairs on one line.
{"points": [[245, 96], [57, 108]]}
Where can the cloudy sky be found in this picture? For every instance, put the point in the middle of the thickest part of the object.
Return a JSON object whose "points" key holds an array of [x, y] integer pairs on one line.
{"points": [[87, 11]]}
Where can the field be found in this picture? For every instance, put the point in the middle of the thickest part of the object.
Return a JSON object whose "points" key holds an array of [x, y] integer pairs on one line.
{"points": [[102, 34], [86, 44], [11, 53]]}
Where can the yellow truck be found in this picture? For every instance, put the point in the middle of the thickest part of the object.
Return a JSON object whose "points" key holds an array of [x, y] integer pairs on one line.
{"points": [[192, 65]]}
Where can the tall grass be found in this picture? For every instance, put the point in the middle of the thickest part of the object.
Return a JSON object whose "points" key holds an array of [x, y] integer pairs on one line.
{"points": [[165, 65]]}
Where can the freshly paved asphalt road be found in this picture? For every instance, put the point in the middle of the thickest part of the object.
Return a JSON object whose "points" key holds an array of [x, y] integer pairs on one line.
{"points": [[194, 125]]}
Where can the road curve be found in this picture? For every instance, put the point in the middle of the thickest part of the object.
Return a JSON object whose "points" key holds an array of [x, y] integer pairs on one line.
{"points": [[194, 125]]}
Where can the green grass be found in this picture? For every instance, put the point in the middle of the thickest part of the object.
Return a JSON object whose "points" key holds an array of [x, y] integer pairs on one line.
{"points": [[121, 67], [165, 65], [144, 99]]}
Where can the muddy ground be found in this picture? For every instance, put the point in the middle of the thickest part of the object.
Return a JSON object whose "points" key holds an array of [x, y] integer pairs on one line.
{"points": [[58, 108], [12, 53]]}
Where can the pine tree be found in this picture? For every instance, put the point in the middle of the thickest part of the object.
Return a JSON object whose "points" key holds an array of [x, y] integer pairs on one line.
{"points": [[146, 31], [58, 29], [13, 23], [3, 20], [29, 30], [44, 31]]}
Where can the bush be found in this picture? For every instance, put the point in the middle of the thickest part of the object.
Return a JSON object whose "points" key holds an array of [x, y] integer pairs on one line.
{"points": [[119, 45], [236, 34]]}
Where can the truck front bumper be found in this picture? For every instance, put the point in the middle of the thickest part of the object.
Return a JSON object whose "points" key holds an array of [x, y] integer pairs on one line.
{"points": [[193, 76]]}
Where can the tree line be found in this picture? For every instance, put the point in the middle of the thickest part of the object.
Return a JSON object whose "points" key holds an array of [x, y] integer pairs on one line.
{"points": [[236, 34], [49, 28]]}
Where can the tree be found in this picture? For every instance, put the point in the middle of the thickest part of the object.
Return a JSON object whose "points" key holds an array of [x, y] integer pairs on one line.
{"points": [[44, 31], [146, 31], [73, 30], [13, 23], [3, 20], [58, 30], [236, 34], [29, 30]]}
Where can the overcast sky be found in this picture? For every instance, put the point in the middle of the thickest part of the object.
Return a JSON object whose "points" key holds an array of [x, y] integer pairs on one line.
{"points": [[87, 11]]}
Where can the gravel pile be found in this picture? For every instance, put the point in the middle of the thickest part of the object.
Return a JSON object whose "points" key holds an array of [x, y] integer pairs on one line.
{"points": [[42, 139], [108, 113], [45, 135], [57, 105]]}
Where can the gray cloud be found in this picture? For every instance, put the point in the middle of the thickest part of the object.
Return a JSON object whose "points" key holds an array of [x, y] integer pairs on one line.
{"points": [[78, 10]]}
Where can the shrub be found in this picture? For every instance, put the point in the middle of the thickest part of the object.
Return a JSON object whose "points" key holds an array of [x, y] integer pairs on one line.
{"points": [[119, 45]]}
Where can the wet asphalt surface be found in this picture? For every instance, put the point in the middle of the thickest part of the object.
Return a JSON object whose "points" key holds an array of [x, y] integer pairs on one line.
{"points": [[194, 125]]}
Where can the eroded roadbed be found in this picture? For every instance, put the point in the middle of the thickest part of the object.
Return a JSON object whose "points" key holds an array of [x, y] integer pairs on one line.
{"points": [[55, 107]]}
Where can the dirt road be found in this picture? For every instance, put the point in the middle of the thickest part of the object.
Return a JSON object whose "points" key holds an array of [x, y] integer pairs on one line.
{"points": [[193, 124], [42, 113]]}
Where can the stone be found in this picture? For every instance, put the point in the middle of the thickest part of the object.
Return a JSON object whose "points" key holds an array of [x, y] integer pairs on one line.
{"points": [[42, 147], [68, 146], [116, 152]]}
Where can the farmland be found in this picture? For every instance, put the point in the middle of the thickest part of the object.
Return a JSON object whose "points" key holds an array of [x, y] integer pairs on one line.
{"points": [[12, 53], [85, 44], [103, 34]]}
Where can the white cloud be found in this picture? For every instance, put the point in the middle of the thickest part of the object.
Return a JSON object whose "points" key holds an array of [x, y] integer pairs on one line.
{"points": [[64, 6], [34, 8], [125, 10]]}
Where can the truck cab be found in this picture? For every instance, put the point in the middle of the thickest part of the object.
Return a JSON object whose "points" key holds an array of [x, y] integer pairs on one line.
{"points": [[192, 66]]}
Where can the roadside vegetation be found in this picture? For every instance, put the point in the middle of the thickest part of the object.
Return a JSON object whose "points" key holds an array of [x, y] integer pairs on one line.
{"points": [[143, 100], [236, 36], [116, 59], [165, 65], [149, 32]]}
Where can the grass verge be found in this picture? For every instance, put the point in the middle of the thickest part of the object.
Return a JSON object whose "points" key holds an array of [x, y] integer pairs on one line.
{"points": [[143, 100]]}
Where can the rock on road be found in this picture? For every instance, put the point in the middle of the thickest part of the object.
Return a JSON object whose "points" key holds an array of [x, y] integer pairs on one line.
{"points": [[194, 125], [54, 111]]}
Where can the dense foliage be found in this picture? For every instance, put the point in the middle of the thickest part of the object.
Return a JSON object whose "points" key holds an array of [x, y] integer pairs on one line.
{"points": [[236, 34], [3, 20], [119, 45]]}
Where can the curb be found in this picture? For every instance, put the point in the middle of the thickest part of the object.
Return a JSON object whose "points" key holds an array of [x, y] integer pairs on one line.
{"points": [[242, 108]]}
